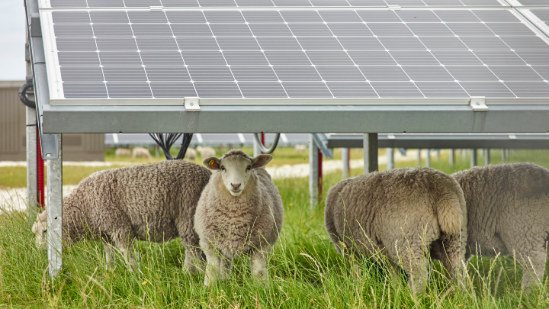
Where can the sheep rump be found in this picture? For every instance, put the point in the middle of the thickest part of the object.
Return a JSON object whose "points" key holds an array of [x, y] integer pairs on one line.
{"points": [[155, 202], [508, 213], [402, 212]]}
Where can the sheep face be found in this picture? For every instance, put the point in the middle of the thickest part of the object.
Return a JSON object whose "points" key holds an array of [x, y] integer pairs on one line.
{"points": [[236, 170], [39, 228]]}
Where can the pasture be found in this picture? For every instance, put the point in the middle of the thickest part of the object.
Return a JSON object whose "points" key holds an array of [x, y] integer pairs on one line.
{"points": [[305, 270]]}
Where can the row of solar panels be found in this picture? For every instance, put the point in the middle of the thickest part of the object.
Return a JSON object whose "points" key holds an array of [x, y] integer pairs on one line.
{"points": [[515, 141]]}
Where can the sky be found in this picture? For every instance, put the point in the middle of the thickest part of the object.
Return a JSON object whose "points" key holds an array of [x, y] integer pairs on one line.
{"points": [[12, 40]]}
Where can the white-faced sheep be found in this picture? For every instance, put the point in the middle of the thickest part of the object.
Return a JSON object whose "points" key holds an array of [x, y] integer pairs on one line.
{"points": [[508, 213], [206, 152], [402, 213], [153, 202], [122, 152], [140, 152], [190, 154], [240, 212]]}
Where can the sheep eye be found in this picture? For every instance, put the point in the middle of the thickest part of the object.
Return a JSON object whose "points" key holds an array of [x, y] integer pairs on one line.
{"points": [[248, 168], [222, 168]]}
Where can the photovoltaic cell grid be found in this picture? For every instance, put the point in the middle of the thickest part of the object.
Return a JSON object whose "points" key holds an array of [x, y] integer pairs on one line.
{"points": [[268, 3], [299, 54]]}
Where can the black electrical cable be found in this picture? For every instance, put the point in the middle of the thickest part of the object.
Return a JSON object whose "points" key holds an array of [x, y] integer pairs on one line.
{"points": [[166, 141], [23, 94]]}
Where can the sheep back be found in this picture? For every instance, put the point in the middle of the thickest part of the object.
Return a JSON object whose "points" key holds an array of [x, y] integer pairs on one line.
{"points": [[155, 201], [372, 211]]}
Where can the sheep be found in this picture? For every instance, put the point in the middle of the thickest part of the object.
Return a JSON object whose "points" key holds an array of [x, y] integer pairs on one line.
{"points": [[239, 213], [190, 154], [206, 152], [402, 213], [300, 148], [122, 152], [155, 202], [140, 152], [508, 213]]}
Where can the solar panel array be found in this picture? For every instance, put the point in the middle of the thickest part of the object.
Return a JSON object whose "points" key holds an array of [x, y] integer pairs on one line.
{"points": [[301, 53]]}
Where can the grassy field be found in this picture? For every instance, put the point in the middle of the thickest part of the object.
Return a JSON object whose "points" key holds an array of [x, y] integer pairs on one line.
{"points": [[304, 268]]}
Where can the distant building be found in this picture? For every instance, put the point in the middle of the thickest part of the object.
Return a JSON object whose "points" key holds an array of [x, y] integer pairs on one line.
{"points": [[76, 147]]}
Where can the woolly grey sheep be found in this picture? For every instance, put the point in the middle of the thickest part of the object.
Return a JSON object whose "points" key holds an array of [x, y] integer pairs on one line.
{"points": [[206, 152], [508, 213], [122, 152], [154, 202], [239, 213], [402, 212], [190, 154], [140, 152]]}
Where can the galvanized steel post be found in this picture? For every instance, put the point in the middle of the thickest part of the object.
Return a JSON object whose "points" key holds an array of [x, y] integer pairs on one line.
{"points": [[313, 172], [473, 157], [428, 157], [487, 156], [345, 160], [55, 212], [452, 158], [390, 158], [370, 153]]}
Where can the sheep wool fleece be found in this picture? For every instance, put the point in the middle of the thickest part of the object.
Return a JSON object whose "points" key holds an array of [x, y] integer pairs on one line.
{"points": [[155, 201], [239, 225], [508, 213], [402, 212]]}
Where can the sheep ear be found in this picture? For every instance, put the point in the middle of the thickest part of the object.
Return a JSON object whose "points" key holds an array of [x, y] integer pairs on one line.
{"points": [[261, 160], [212, 163]]}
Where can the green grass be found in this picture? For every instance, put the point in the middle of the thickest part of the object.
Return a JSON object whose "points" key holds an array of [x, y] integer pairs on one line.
{"points": [[304, 268]]}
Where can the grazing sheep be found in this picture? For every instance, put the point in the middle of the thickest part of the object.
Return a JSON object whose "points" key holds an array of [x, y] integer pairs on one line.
{"points": [[154, 202], [300, 148], [122, 152], [140, 152], [402, 212], [190, 154], [508, 213], [239, 213], [206, 152]]}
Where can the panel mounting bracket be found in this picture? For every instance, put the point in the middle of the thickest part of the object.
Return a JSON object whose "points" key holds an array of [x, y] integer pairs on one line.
{"points": [[478, 104], [156, 8], [394, 7], [192, 104]]}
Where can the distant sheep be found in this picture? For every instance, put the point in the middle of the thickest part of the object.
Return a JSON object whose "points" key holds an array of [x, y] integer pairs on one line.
{"points": [[206, 152], [140, 152], [239, 213], [190, 154], [508, 213], [122, 152], [150, 201], [401, 212], [300, 148]]}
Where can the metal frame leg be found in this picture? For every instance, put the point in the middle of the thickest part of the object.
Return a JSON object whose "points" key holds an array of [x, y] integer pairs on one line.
{"points": [[418, 160], [390, 158], [55, 212], [428, 158], [487, 156], [474, 157], [32, 168], [313, 172], [370, 153], [452, 158], [345, 161]]}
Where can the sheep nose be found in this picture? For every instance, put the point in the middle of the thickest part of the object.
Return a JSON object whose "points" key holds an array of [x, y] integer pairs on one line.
{"points": [[236, 186]]}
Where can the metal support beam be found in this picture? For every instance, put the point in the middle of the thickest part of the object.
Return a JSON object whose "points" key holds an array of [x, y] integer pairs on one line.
{"points": [[55, 212], [32, 167], [502, 155], [428, 158], [345, 153], [390, 158], [418, 160], [313, 172], [452, 158], [474, 157], [487, 156], [370, 153], [257, 151]]}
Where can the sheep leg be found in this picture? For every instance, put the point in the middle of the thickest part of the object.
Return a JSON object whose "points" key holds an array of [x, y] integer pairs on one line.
{"points": [[417, 268], [218, 268], [533, 264], [259, 266], [194, 258], [109, 254]]}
